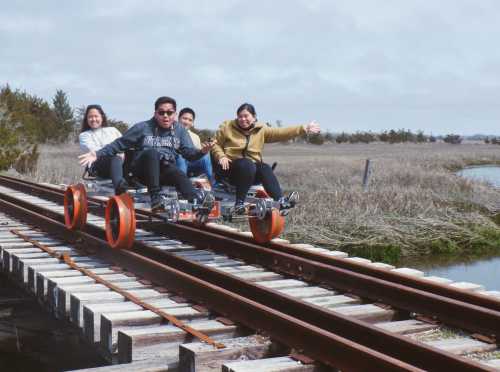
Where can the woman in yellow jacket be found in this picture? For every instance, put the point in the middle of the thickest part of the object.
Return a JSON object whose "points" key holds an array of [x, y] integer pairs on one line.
{"points": [[238, 152]]}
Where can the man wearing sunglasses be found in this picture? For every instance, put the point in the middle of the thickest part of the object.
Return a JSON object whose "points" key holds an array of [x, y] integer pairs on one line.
{"points": [[157, 142]]}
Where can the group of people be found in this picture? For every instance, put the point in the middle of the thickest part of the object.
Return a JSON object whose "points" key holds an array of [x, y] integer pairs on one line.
{"points": [[167, 150]]}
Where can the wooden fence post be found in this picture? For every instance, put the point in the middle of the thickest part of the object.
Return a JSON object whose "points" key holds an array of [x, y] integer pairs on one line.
{"points": [[366, 176]]}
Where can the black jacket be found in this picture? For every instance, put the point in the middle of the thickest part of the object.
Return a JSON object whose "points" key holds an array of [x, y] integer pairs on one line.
{"points": [[148, 135]]}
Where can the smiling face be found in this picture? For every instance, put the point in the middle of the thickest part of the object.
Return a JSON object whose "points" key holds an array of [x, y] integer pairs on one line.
{"points": [[94, 118], [165, 115], [245, 119], [187, 120]]}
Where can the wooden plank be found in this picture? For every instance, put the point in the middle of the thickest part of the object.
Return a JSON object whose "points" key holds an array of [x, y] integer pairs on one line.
{"points": [[40, 274], [260, 276], [150, 365], [307, 292], [467, 286], [495, 294], [77, 300], [283, 284], [133, 343], [333, 301], [462, 346], [369, 312], [494, 363], [408, 271], [111, 323], [201, 357], [278, 364], [405, 327], [92, 314], [241, 269], [437, 279]]}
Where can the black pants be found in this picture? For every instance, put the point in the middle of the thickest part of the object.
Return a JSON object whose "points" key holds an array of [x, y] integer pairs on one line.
{"points": [[109, 167], [243, 173], [154, 173]]}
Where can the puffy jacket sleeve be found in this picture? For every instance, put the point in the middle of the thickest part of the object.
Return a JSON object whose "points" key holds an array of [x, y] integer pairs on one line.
{"points": [[129, 139], [86, 142], [218, 148], [282, 134]]}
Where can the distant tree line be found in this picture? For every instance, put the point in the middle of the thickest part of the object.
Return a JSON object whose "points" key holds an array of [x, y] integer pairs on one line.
{"points": [[27, 121], [492, 140]]}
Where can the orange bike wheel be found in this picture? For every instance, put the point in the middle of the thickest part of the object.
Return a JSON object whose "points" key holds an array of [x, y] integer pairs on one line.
{"points": [[75, 207], [268, 228], [120, 221]]}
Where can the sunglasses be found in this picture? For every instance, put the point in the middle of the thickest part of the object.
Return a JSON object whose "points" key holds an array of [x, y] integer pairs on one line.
{"points": [[162, 113]]}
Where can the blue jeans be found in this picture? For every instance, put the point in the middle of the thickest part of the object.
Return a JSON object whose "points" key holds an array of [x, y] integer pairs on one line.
{"points": [[196, 167]]}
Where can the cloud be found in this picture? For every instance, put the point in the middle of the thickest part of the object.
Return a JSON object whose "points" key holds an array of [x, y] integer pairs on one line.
{"points": [[348, 64]]}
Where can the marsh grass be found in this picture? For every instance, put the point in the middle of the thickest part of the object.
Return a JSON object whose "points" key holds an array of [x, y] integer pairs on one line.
{"points": [[414, 205]]}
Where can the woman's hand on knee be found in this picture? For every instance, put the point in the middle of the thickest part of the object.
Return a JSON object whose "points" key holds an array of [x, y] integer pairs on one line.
{"points": [[224, 162]]}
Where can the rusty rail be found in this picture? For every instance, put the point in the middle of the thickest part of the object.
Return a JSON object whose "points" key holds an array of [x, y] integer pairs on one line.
{"points": [[399, 347]]}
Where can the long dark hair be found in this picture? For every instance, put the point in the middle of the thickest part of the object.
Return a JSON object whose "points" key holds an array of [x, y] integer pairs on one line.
{"points": [[249, 107], [85, 124]]}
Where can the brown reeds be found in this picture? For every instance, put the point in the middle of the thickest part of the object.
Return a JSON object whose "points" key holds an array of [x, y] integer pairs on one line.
{"points": [[414, 203]]}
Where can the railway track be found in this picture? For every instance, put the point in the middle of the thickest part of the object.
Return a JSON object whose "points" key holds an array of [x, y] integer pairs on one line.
{"points": [[347, 315]]}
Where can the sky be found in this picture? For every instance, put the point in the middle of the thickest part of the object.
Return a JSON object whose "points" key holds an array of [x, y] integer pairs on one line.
{"points": [[348, 64]]}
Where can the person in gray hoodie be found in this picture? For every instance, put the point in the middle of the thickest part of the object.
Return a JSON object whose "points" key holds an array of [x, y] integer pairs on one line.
{"points": [[156, 142]]}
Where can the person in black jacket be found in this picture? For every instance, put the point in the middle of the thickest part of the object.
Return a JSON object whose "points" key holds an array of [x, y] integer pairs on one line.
{"points": [[157, 141]]}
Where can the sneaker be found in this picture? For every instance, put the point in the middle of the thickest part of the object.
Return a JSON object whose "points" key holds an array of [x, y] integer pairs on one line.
{"points": [[122, 187], [205, 199], [157, 204], [239, 208], [289, 201]]}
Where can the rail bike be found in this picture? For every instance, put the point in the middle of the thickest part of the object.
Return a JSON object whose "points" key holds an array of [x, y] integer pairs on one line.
{"points": [[265, 216]]}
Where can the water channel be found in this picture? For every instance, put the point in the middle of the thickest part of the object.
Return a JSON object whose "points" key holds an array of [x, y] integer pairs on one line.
{"points": [[483, 270]]}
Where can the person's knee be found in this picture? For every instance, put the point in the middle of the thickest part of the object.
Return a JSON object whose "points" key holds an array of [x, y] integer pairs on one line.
{"points": [[150, 154], [117, 160], [244, 165]]}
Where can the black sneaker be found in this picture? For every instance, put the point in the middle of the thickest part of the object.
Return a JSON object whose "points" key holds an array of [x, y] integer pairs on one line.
{"points": [[205, 200], [157, 204], [289, 201], [239, 208], [122, 187]]}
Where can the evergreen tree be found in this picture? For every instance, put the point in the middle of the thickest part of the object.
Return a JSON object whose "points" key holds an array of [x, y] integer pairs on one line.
{"points": [[64, 115], [15, 146], [118, 124], [32, 115]]}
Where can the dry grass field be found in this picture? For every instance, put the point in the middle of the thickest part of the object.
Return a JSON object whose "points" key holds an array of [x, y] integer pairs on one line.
{"points": [[414, 205]]}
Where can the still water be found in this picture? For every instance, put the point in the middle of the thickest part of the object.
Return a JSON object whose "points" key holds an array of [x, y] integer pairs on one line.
{"points": [[481, 270], [490, 174]]}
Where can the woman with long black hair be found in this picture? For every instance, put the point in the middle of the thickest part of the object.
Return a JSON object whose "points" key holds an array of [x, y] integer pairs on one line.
{"points": [[94, 135]]}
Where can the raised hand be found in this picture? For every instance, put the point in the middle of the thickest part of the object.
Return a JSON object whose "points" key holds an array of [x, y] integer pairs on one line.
{"points": [[206, 146], [87, 159], [312, 127]]}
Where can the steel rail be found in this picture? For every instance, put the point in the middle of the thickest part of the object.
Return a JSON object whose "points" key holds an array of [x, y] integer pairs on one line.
{"points": [[469, 297], [399, 347], [463, 315], [317, 343]]}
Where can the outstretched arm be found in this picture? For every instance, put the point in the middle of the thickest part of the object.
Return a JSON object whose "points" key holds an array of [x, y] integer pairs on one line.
{"points": [[87, 159]]}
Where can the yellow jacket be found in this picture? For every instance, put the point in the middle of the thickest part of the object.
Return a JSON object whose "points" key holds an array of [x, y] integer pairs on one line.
{"points": [[234, 144]]}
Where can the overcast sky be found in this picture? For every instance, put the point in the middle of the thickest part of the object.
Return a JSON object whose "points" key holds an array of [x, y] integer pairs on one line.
{"points": [[349, 64]]}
